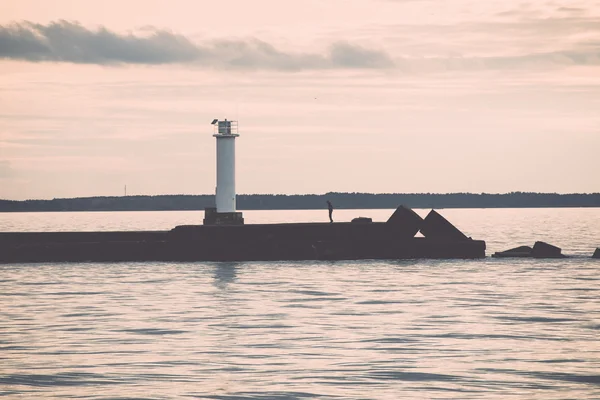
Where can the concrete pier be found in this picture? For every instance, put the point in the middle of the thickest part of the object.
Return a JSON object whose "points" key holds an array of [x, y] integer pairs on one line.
{"points": [[252, 242]]}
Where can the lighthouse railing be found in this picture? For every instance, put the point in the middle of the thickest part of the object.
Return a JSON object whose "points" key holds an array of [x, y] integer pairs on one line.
{"points": [[226, 128]]}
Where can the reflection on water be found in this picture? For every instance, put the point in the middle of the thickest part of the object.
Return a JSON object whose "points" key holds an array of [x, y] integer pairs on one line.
{"points": [[225, 273], [492, 328]]}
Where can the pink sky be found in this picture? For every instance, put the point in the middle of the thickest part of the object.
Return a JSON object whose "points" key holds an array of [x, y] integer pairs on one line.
{"points": [[335, 95]]}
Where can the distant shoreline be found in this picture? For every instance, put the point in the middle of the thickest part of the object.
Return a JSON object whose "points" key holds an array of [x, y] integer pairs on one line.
{"points": [[355, 201]]}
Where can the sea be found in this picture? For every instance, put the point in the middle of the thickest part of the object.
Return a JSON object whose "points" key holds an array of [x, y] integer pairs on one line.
{"points": [[413, 329]]}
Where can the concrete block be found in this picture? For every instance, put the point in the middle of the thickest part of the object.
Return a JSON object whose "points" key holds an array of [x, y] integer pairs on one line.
{"points": [[545, 250], [521, 251], [404, 222], [212, 217], [437, 227]]}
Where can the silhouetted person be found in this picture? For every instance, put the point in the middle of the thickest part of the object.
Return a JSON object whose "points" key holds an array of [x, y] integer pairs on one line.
{"points": [[330, 206]]}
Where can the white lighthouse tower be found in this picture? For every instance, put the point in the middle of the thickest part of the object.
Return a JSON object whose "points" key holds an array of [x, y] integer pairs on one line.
{"points": [[225, 213]]}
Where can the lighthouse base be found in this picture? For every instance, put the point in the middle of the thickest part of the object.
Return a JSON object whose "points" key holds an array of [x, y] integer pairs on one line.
{"points": [[212, 217]]}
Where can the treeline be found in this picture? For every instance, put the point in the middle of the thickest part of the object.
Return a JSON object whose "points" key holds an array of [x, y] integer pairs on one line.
{"points": [[309, 201]]}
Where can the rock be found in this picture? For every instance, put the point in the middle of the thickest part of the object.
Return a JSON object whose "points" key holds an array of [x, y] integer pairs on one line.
{"points": [[521, 251], [404, 222], [362, 220], [437, 227], [545, 250], [596, 253]]}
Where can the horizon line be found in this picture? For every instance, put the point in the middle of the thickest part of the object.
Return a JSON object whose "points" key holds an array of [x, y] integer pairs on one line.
{"points": [[321, 194]]}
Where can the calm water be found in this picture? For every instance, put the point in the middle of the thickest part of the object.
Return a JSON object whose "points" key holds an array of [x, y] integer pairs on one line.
{"points": [[493, 329]]}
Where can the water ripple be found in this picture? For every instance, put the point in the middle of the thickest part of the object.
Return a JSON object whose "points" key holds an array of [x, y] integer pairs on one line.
{"points": [[493, 329]]}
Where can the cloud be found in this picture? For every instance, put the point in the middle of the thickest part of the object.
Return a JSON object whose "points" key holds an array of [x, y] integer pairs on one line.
{"points": [[346, 54], [571, 10], [520, 13], [491, 45], [522, 42], [64, 41], [546, 59], [71, 42]]}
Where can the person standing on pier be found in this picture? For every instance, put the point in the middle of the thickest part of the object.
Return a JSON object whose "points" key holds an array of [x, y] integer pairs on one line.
{"points": [[330, 206]]}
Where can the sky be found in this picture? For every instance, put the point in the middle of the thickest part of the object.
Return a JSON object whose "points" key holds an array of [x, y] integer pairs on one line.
{"points": [[381, 96]]}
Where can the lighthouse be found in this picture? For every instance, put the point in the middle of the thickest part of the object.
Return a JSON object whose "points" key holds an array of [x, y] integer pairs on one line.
{"points": [[224, 212]]}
